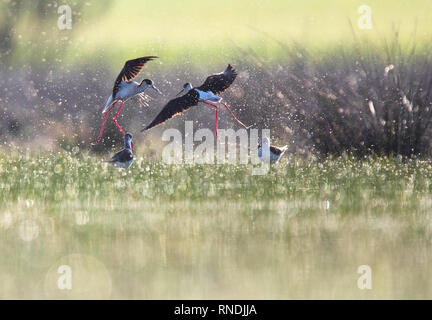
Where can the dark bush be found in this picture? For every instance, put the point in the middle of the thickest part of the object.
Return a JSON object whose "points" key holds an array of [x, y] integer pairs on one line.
{"points": [[361, 99], [368, 99]]}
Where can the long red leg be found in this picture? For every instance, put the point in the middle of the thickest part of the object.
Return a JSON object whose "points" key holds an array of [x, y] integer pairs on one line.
{"points": [[115, 119], [104, 121], [216, 107], [232, 114], [216, 122], [118, 126]]}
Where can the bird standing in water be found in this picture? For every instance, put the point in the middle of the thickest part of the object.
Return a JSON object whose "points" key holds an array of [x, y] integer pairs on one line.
{"points": [[125, 157], [125, 88], [205, 93], [274, 154]]}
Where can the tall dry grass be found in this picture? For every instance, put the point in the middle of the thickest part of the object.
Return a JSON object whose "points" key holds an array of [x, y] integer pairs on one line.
{"points": [[362, 98]]}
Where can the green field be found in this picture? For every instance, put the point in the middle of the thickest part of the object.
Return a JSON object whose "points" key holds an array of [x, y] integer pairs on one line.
{"points": [[166, 231], [194, 32]]}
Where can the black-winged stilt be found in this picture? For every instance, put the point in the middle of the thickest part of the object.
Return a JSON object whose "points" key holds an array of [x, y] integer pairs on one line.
{"points": [[205, 93], [125, 88], [275, 152], [125, 157]]}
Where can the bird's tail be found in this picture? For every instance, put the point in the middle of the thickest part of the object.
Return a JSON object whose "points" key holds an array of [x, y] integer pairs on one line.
{"points": [[146, 128], [284, 148], [108, 104]]}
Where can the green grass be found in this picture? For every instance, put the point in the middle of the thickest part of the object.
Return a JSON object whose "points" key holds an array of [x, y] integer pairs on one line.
{"points": [[165, 231]]}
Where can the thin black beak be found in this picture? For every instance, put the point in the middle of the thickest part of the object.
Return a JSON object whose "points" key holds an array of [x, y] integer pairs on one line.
{"points": [[181, 91], [156, 89]]}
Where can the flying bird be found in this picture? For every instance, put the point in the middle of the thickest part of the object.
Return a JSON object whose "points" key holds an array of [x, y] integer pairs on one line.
{"points": [[125, 88], [125, 157], [267, 152], [206, 93]]}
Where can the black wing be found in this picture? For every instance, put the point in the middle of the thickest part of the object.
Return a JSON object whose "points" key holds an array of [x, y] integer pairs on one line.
{"points": [[275, 150], [130, 70], [174, 107], [123, 156], [218, 83]]}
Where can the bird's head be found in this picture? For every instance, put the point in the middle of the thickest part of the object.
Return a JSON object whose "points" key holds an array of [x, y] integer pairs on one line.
{"points": [[128, 140], [128, 137], [149, 84], [186, 87]]}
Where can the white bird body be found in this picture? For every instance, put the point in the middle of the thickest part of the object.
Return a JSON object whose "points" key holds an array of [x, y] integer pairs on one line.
{"points": [[124, 158], [206, 93], [126, 91], [123, 165], [269, 153], [125, 88], [208, 96]]}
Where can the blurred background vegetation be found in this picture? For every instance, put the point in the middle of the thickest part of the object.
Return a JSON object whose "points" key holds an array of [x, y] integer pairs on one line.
{"points": [[54, 82], [189, 31]]}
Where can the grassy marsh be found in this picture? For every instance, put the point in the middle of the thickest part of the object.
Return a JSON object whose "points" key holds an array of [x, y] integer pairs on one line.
{"points": [[166, 231]]}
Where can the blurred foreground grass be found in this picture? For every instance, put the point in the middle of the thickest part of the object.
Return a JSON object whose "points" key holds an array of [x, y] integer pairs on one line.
{"points": [[165, 231]]}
